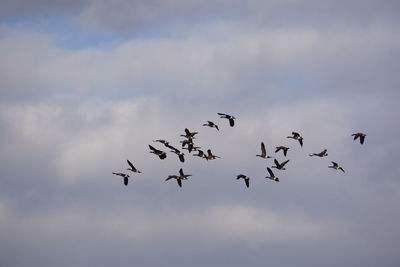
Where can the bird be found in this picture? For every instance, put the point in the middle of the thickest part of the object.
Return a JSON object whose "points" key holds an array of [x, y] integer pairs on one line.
{"points": [[245, 178], [159, 153], [336, 166], [210, 155], [191, 148], [124, 175], [296, 136], [175, 177], [229, 117], [189, 134], [320, 154], [263, 152], [133, 169], [211, 124], [361, 136], [179, 153], [272, 175], [279, 166], [283, 148]]}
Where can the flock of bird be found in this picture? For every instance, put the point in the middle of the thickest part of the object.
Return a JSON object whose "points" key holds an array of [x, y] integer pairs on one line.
{"points": [[188, 144]]}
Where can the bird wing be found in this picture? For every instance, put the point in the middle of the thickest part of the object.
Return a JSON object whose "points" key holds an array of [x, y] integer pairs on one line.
{"points": [[181, 172], [285, 152], [130, 164], [276, 162], [152, 148], [240, 176], [181, 158], [335, 164], [179, 182], [222, 114], [284, 163], [231, 122], [295, 134], [247, 181], [263, 151], [125, 180], [362, 139], [301, 142], [270, 172]]}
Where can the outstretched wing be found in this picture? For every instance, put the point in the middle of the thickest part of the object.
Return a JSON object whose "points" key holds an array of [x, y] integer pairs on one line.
{"points": [[270, 172], [263, 151], [247, 181], [179, 182], [295, 134], [284, 163], [125, 180], [362, 139], [240, 176], [181, 172], [130, 164], [231, 122], [301, 142]]}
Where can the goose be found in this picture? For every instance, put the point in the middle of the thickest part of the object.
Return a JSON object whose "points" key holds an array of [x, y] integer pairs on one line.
{"points": [[279, 166], [272, 175], [245, 178], [159, 153], [124, 175], [211, 124], [320, 154], [283, 148], [263, 152], [179, 153], [361, 136], [175, 177], [189, 134], [191, 148], [229, 117], [336, 166], [296, 136], [210, 155], [162, 141], [133, 169]]}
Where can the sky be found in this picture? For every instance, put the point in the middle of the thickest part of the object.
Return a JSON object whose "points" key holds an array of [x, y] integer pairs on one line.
{"points": [[87, 84]]}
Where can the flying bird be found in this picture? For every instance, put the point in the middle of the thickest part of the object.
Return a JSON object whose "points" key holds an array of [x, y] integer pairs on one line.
{"points": [[263, 152], [298, 137], [179, 153], [279, 166], [229, 117], [245, 178], [124, 175], [320, 154], [336, 166], [211, 124], [283, 148], [182, 175], [361, 136], [159, 153], [189, 134], [133, 169], [272, 175]]}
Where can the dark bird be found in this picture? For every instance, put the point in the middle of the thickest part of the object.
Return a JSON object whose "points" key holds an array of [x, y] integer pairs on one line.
{"points": [[175, 177], [124, 175], [361, 136], [296, 136], [272, 175], [336, 166], [191, 148], [133, 169], [189, 134], [263, 152], [279, 166], [179, 153], [245, 178], [320, 154], [211, 124], [179, 178], [283, 148], [210, 155], [189, 143], [159, 153], [229, 117]]}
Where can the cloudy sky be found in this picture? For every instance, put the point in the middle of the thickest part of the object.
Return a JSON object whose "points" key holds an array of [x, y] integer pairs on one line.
{"points": [[87, 84]]}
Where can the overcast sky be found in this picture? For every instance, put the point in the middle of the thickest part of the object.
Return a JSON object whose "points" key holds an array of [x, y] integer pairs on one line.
{"points": [[86, 85]]}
